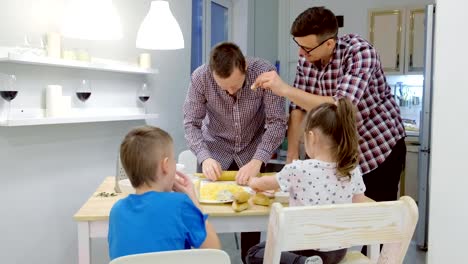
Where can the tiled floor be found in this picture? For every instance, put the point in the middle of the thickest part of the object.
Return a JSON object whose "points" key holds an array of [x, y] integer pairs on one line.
{"points": [[413, 256]]}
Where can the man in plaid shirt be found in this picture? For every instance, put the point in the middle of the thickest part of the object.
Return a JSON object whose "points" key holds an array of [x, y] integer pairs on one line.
{"points": [[228, 125], [330, 68]]}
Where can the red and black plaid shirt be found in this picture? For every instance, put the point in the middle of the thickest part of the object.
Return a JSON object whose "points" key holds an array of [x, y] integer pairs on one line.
{"points": [[355, 72], [250, 126]]}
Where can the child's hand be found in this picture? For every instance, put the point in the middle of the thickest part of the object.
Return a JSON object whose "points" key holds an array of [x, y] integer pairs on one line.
{"points": [[253, 184], [183, 184]]}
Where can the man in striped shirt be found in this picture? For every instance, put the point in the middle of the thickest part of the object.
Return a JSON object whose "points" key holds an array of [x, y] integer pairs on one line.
{"points": [[330, 68], [230, 126]]}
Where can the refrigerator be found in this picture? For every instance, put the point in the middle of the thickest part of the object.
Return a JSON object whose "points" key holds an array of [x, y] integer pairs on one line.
{"points": [[424, 153]]}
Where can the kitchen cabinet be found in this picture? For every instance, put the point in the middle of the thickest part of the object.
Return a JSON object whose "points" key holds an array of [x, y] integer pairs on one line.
{"points": [[28, 116], [386, 34], [414, 57], [398, 36]]}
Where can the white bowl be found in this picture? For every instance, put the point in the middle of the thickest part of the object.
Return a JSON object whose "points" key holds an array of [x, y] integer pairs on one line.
{"points": [[126, 186]]}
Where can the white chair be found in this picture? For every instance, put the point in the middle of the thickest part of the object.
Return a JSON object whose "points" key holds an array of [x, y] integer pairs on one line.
{"points": [[299, 228], [205, 256], [189, 159]]}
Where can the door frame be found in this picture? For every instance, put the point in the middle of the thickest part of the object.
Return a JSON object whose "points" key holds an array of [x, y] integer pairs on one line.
{"points": [[207, 23]]}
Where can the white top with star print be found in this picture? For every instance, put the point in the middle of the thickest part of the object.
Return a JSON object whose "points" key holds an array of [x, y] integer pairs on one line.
{"points": [[314, 182]]}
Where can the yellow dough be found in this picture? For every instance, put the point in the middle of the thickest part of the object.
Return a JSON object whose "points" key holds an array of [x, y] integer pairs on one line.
{"points": [[239, 207], [261, 199], [241, 197], [217, 191]]}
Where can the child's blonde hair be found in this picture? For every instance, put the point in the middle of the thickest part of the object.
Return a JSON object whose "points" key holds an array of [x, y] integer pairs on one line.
{"points": [[338, 123], [141, 151]]}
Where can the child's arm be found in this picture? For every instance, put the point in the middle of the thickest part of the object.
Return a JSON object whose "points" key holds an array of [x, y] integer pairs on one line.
{"points": [[212, 240], [361, 198], [184, 184], [264, 183]]}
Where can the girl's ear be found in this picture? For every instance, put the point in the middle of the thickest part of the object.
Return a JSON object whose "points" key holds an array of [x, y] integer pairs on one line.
{"points": [[311, 137], [165, 165]]}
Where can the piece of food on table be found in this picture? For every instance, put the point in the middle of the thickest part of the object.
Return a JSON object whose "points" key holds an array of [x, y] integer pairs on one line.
{"points": [[261, 199], [253, 87], [241, 197], [212, 191], [239, 207]]}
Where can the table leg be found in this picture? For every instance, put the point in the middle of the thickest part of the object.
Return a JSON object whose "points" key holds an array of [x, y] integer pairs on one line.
{"points": [[84, 241]]}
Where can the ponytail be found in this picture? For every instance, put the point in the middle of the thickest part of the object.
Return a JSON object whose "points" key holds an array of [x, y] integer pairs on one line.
{"points": [[338, 122], [346, 136]]}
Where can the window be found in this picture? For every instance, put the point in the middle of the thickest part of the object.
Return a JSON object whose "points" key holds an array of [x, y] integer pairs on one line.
{"points": [[211, 23]]}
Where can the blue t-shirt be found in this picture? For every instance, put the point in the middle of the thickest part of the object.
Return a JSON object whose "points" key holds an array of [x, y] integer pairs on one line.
{"points": [[154, 221]]}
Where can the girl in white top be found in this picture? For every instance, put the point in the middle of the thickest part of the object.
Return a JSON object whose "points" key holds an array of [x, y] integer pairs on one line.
{"points": [[332, 174]]}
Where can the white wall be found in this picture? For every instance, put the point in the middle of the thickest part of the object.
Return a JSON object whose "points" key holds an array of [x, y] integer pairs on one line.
{"points": [[255, 27], [449, 178], [240, 23], [48, 172], [266, 29]]}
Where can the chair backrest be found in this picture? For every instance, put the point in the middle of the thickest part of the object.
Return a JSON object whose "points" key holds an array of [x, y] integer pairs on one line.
{"points": [[344, 225], [120, 174], [205, 256], [189, 159]]}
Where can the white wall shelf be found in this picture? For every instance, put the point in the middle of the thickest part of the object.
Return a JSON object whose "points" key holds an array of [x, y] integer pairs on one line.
{"points": [[37, 116], [96, 64], [73, 119]]}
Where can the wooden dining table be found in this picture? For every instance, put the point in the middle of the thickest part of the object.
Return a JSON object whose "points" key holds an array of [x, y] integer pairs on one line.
{"points": [[93, 218]]}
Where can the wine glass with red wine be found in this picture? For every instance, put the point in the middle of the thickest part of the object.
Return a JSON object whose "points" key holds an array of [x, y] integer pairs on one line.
{"points": [[9, 91], [83, 92], [144, 94]]}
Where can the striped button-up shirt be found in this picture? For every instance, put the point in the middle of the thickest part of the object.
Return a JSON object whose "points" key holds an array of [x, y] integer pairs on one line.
{"points": [[355, 72], [249, 125]]}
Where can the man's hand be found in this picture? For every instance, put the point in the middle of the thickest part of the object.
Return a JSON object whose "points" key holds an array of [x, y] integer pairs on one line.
{"points": [[249, 170], [211, 169], [272, 81]]}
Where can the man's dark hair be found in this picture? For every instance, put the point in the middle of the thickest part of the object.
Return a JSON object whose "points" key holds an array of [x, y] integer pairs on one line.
{"points": [[315, 21], [225, 57]]}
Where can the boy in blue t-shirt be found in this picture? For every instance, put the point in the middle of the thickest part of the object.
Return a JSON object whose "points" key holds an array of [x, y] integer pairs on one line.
{"points": [[164, 213]]}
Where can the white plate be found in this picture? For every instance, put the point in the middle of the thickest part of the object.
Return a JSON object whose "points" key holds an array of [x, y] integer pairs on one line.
{"points": [[204, 181]]}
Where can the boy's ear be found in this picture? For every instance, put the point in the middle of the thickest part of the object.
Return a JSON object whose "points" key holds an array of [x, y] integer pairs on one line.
{"points": [[165, 165]]}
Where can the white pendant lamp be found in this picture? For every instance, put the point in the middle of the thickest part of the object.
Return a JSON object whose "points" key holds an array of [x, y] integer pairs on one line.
{"points": [[160, 30], [92, 20]]}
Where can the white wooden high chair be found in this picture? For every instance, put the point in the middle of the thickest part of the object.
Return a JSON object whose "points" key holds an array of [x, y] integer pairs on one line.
{"points": [[205, 256], [189, 160], [299, 228]]}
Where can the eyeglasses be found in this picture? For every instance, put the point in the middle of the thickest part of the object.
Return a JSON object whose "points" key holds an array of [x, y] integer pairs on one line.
{"points": [[308, 51]]}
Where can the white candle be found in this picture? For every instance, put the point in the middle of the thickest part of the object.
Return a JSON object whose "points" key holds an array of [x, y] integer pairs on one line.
{"points": [[53, 44], [145, 60], [53, 100]]}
